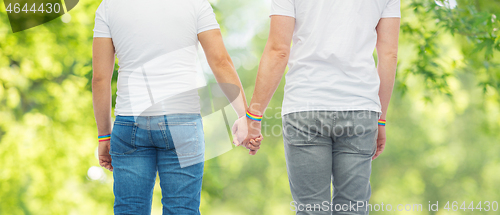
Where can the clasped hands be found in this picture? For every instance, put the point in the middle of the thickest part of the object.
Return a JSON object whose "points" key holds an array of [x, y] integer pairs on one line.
{"points": [[247, 133]]}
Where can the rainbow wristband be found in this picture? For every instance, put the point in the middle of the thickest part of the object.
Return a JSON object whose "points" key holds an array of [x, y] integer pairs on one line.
{"points": [[381, 122], [104, 138], [254, 117]]}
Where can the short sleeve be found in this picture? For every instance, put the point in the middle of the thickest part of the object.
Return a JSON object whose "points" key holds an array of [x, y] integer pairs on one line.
{"points": [[101, 28], [206, 18], [283, 8], [393, 9]]}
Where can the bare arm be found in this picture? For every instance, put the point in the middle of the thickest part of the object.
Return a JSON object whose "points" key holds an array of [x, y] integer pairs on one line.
{"points": [[222, 66], [272, 66], [387, 52], [273, 63], [103, 62]]}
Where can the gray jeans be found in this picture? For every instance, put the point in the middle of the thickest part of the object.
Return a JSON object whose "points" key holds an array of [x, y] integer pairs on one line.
{"points": [[322, 147]]}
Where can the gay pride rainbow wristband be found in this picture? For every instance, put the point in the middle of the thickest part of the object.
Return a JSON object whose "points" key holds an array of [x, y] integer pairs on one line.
{"points": [[254, 117], [381, 122], [104, 138]]}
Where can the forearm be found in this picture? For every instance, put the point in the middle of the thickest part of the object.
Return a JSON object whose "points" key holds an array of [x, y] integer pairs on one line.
{"points": [[387, 72], [101, 96], [225, 72], [271, 69]]}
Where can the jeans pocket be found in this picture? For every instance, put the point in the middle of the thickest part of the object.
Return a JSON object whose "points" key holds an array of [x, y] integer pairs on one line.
{"points": [[183, 136], [365, 132], [123, 138], [300, 130]]}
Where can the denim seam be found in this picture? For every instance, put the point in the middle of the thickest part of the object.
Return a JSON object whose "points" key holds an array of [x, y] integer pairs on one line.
{"points": [[125, 123], [134, 130], [177, 123], [163, 129], [132, 139]]}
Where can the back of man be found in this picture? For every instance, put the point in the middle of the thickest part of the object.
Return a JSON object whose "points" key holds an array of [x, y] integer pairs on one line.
{"points": [[334, 96], [331, 64]]}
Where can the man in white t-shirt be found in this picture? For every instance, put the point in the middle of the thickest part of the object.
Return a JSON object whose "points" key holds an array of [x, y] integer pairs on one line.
{"points": [[158, 127], [336, 97]]}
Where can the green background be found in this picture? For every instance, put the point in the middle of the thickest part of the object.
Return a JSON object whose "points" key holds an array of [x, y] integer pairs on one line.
{"points": [[443, 123]]}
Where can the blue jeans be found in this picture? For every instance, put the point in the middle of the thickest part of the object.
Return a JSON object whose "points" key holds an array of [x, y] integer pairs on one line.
{"points": [[325, 147], [174, 146]]}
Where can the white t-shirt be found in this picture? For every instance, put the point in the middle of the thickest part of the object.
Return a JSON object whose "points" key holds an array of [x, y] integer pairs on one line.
{"points": [[331, 64], [156, 42]]}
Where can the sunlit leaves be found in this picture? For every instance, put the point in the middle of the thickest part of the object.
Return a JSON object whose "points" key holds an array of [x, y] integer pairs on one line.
{"points": [[427, 28]]}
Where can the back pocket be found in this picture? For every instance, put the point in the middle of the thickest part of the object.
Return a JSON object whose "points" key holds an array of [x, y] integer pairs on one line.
{"points": [[365, 131], [123, 138], [300, 130], [183, 136]]}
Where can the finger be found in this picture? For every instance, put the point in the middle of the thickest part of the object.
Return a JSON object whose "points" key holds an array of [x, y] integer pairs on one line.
{"points": [[235, 140], [252, 152], [235, 127], [102, 162], [105, 165], [376, 155], [235, 135], [380, 149], [245, 142], [109, 167], [260, 138], [252, 147], [255, 143]]}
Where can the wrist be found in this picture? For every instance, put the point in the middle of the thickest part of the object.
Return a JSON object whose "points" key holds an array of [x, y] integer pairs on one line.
{"points": [[381, 122], [254, 117], [104, 138], [254, 127]]}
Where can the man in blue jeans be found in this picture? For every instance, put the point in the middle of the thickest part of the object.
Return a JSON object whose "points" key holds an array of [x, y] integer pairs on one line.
{"points": [[336, 97], [158, 127]]}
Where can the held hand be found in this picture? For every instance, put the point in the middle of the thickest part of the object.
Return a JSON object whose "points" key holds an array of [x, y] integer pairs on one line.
{"points": [[254, 138], [380, 142], [240, 131], [254, 145], [104, 156]]}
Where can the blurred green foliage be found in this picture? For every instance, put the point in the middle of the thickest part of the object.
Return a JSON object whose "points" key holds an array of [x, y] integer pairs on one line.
{"points": [[443, 122]]}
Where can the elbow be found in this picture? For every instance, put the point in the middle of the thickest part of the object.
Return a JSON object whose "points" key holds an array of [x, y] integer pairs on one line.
{"points": [[222, 62], [387, 53], [283, 55], [389, 56], [98, 81], [393, 56], [281, 52]]}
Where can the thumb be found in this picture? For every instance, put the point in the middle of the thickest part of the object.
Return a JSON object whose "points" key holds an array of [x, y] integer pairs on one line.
{"points": [[234, 129], [235, 140], [235, 135]]}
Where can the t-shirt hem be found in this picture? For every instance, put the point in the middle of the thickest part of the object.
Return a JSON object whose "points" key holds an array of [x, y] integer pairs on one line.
{"points": [[391, 16], [282, 14], [154, 113], [102, 35], [286, 111], [213, 27]]}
